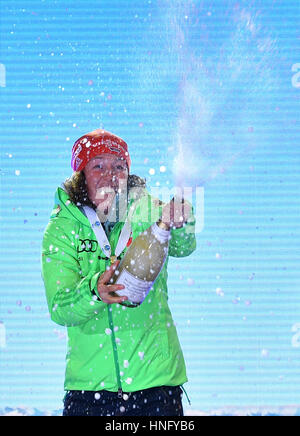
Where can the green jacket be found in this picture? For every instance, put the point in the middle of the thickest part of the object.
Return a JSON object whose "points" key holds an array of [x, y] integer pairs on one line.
{"points": [[110, 347]]}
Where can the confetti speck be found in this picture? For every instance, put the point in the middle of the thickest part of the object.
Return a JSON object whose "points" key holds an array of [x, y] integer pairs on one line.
{"points": [[141, 355], [220, 292]]}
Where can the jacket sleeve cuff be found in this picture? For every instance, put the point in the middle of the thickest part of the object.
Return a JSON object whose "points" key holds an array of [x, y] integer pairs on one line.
{"points": [[94, 287]]}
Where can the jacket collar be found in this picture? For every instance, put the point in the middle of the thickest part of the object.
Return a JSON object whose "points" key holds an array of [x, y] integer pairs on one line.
{"points": [[69, 209]]}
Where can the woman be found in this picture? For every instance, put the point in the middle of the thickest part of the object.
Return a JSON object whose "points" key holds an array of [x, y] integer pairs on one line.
{"points": [[121, 361]]}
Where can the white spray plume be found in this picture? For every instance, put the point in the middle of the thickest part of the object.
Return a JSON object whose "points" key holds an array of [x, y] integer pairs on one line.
{"points": [[221, 88]]}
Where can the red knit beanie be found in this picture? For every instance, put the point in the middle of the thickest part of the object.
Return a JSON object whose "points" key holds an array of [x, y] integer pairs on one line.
{"points": [[97, 142]]}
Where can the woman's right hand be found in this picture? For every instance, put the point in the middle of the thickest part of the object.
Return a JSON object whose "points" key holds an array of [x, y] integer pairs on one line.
{"points": [[107, 292], [175, 214]]}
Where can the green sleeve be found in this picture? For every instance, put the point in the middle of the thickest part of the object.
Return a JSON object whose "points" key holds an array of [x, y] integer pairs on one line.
{"points": [[70, 296], [183, 240]]}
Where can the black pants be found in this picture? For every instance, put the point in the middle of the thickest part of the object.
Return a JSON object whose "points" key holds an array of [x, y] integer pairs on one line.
{"points": [[160, 401]]}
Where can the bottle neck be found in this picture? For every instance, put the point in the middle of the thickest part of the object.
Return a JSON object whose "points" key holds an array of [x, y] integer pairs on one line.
{"points": [[161, 234], [162, 225]]}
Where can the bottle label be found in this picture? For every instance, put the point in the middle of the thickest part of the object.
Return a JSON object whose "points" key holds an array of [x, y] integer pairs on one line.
{"points": [[135, 289]]}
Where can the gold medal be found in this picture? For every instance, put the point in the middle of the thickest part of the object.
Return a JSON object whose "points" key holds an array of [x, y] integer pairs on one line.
{"points": [[113, 259]]}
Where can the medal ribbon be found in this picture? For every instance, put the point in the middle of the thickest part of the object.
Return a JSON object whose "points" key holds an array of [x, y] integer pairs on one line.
{"points": [[101, 235]]}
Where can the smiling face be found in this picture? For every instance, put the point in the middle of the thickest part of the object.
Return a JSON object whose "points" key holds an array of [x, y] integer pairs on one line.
{"points": [[106, 175]]}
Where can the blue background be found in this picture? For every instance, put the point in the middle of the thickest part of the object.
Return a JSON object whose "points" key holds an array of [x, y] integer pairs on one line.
{"points": [[215, 79]]}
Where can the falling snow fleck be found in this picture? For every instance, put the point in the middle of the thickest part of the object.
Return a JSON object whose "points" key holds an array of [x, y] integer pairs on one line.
{"points": [[265, 352], [220, 292], [141, 355]]}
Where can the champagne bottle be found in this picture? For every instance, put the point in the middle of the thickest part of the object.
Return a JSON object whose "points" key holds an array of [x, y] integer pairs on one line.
{"points": [[141, 264]]}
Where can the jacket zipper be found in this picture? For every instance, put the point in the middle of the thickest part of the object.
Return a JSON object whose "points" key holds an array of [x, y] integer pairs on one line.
{"points": [[114, 345], [115, 351]]}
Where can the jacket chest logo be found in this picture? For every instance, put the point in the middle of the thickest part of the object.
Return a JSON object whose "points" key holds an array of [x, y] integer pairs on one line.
{"points": [[87, 245]]}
